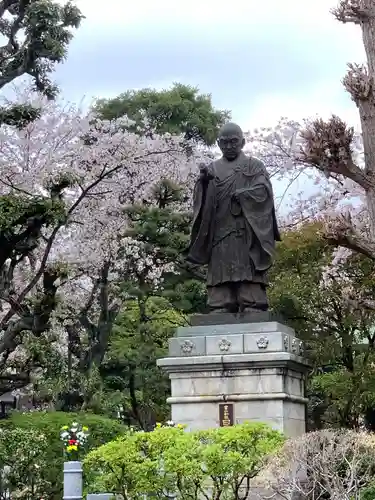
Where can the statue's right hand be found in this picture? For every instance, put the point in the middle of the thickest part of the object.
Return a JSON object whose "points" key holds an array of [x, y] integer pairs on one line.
{"points": [[205, 172]]}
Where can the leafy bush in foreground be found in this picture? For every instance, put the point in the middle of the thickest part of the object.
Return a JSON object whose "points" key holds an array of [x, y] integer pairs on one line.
{"points": [[218, 463]]}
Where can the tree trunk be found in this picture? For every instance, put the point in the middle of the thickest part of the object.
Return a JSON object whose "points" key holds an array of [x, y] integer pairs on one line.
{"points": [[366, 108]]}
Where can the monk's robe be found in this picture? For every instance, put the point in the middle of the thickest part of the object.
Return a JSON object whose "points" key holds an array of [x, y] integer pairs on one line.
{"points": [[235, 235]]}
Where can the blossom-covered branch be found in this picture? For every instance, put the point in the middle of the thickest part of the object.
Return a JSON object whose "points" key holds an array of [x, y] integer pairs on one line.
{"points": [[85, 173]]}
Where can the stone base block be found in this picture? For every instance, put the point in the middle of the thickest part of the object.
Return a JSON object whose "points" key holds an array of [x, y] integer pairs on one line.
{"points": [[259, 387], [256, 370]]}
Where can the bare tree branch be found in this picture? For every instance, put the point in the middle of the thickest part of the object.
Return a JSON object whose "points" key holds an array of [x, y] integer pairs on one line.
{"points": [[328, 147], [351, 11]]}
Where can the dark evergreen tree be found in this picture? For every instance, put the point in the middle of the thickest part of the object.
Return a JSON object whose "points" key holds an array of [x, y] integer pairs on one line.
{"points": [[178, 110]]}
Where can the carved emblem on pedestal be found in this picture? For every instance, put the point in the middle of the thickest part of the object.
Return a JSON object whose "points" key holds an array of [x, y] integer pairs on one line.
{"points": [[295, 346], [187, 346], [286, 342], [262, 343], [224, 345], [301, 347]]}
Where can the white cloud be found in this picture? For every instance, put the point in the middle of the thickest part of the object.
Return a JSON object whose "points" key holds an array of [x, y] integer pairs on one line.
{"points": [[305, 30], [258, 15], [323, 99]]}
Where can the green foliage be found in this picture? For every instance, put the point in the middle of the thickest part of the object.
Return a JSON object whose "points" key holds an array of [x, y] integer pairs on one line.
{"points": [[178, 110], [131, 379], [186, 294], [102, 429], [130, 375], [295, 276], [339, 337], [217, 463], [48, 425], [18, 115], [368, 493], [346, 394], [344, 349], [16, 210], [161, 227], [38, 34], [166, 227], [24, 452]]}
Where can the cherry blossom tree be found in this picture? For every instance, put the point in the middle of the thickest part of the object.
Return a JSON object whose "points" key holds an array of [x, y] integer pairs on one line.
{"points": [[338, 159], [73, 256], [334, 157], [35, 37], [337, 164]]}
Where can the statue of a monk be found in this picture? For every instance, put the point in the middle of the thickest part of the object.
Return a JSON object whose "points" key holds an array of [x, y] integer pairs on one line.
{"points": [[234, 226]]}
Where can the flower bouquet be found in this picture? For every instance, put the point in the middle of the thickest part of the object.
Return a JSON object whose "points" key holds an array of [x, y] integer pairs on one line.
{"points": [[74, 440]]}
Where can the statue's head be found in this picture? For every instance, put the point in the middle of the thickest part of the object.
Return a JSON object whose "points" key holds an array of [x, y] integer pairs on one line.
{"points": [[231, 141]]}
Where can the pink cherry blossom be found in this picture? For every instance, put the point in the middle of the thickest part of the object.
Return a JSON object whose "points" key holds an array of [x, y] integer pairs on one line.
{"points": [[109, 168]]}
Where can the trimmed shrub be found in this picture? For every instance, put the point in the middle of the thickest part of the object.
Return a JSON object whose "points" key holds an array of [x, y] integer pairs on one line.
{"points": [[218, 463], [47, 426]]}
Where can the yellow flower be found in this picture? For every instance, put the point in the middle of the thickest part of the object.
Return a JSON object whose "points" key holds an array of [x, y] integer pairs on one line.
{"points": [[85, 429], [180, 426], [158, 424], [72, 447], [64, 427]]}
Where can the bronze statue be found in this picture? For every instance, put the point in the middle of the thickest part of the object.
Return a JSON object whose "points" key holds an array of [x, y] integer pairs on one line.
{"points": [[234, 226]]}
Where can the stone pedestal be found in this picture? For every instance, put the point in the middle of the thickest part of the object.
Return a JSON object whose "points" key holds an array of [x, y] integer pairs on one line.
{"points": [[223, 374]]}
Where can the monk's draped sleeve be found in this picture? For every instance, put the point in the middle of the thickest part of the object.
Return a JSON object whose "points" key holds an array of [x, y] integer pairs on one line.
{"points": [[204, 203], [256, 200]]}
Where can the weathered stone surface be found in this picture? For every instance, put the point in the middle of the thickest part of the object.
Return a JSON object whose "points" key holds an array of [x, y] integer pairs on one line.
{"points": [[234, 329], [192, 346], [254, 366], [205, 415], [226, 344], [228, 319], [268, 341], [234, 339]]}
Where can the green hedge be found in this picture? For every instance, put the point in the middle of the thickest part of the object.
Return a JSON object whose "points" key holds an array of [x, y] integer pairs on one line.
{"points": [[48, 425]]}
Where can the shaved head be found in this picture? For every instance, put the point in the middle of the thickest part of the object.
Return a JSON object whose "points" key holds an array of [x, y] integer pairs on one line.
{"points": [[231, 129], [231, 140]]}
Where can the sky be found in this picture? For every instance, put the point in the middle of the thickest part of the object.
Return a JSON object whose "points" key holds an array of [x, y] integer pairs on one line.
{"points": [[259, 59]]}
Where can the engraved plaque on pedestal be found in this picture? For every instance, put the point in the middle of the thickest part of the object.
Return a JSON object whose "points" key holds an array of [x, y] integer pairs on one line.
{"points": [[226, 414]]}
